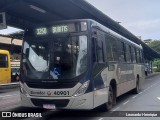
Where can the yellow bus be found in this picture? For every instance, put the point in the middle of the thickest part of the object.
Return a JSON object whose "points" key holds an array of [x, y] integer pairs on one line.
{"points": [[5, 67]]}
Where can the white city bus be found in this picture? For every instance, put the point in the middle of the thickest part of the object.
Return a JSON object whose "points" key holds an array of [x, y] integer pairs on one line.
{"points": [[78, 64]]}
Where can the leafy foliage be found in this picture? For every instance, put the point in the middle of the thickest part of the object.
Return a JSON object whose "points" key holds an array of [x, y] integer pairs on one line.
{"points": [[156, 63], [155, 45]]}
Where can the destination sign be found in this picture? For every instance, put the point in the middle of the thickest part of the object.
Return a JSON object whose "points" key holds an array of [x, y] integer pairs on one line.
{"points": [[41, 31], [57, 29], [60, 29]]}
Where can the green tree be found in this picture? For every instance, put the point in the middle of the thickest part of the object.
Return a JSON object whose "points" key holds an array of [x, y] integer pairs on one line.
{"points": [[156, 63], [155, 45]]}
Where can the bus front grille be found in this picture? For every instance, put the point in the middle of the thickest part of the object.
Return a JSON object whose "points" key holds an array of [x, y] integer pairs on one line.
{"points": [[57, 102], [51, 85]]}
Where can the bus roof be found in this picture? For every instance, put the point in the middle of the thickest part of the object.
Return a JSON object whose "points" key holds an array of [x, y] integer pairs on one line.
{"points": [[96, 24], [113, 33], [62, 21]]}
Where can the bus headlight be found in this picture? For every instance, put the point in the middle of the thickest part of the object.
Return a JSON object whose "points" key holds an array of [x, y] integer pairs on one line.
{"points": [[82, 89]]}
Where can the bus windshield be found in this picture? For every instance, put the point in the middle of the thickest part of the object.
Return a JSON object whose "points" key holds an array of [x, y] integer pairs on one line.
{"points": [[56, 58]]}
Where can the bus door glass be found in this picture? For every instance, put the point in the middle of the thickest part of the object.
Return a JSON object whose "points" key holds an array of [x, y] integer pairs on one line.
{"points": [[98, 46], [4, 69], [99, 70], [98, 51]]}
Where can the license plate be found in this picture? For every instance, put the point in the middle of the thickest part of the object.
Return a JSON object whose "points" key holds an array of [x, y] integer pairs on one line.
{"points": [[49, 106]]}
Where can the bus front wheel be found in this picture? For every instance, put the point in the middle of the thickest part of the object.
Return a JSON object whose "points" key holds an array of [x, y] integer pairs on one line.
{"points": [[108, 105]]}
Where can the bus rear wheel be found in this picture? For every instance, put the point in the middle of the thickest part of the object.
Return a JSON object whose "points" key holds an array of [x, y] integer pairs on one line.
{"points": [[136, 90]]}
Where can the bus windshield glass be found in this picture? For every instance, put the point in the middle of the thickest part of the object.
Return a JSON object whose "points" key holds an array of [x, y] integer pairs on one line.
{"points": [[57, 58]]}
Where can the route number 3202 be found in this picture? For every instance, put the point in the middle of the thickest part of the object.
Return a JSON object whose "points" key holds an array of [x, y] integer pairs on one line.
{"points": [[61, 93]]}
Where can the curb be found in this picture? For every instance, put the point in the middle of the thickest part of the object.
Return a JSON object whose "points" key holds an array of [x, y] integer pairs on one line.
{"points": [[9, 85]]}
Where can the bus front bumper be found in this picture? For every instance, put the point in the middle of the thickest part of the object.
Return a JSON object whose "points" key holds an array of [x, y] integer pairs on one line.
{"points": [[81, 102]]}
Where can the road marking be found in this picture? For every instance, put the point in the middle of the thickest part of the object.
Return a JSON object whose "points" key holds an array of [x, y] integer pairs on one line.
{"points": [[8, 95], [155, 84], [140, 93], [116, 109], [158, 98], [147, 88], [144, 90], [125, 102], [134, 96], [100, 119]]}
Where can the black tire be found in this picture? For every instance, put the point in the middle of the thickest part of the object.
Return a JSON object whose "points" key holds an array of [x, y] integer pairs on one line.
{"points": [[110, 102], [136, 90], [107, 106]]}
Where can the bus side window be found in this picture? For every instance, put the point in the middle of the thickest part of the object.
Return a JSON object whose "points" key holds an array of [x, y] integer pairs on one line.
{"points": [[111, 47], [133, 54], [108, 48], [121, 50], [114, 49], [128, 54], [137, 55], [100, 50], [141, 58]]}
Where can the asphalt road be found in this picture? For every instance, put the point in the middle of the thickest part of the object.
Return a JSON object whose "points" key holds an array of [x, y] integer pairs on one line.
{"points": [[147, 100]]}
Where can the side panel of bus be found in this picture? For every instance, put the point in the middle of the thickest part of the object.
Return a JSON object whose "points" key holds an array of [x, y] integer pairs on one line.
{"points": [[5, 70], [118, 62]]}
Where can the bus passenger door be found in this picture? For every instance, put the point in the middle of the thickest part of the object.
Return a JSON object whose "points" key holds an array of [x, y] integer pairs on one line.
{"points": [[5, 72], [99, 65]]}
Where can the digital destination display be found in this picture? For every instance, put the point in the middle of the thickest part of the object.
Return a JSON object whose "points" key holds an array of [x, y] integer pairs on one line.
{"points": [[41, 31], [56, 29], [60, 29]]}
